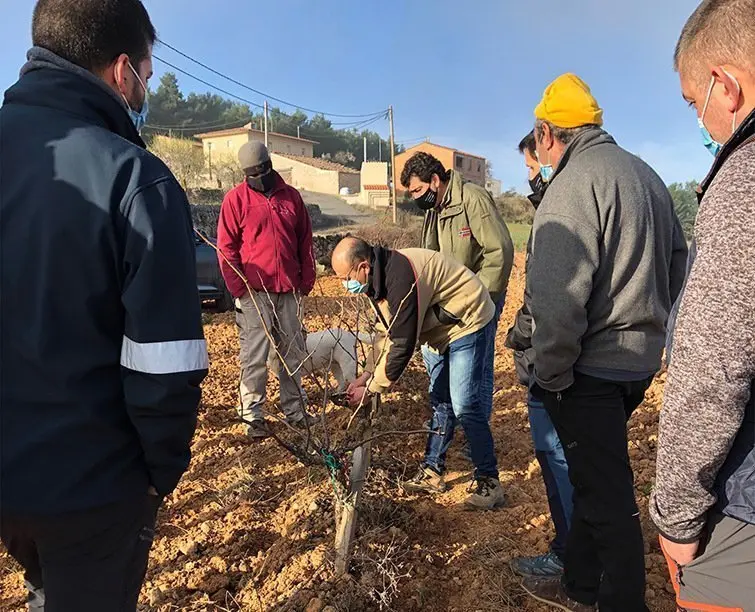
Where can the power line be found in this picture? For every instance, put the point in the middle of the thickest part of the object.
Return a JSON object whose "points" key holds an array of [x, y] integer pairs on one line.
{"points": [[196, 78], [194, 126], [257, 91]]}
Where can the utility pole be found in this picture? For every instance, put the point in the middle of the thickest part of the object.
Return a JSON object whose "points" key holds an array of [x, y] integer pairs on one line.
{"points": [[364, 159], [380, 148], [298, 131], [393, 163], [265, 123]]}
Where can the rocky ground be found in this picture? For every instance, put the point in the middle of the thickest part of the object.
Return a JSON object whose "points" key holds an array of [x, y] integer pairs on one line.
{"points": [[249, 528]]}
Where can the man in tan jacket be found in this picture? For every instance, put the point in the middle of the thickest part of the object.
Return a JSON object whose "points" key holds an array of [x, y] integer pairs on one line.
{"points": [[421, 296], [463, 222]]}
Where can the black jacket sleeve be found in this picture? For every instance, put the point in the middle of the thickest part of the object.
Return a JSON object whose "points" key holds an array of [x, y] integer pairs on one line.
{"points": [[403, 302], [164, 354]]}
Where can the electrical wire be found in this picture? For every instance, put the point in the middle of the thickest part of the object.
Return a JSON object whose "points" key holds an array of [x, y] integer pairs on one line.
{"points": [[196, 78], [261, 93]]}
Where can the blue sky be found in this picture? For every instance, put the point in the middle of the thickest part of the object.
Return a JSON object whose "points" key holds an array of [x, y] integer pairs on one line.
{"points": [[466, 73]]}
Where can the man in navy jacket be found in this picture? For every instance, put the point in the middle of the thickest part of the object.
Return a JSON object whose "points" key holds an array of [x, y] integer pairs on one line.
{"points": [[101, 343]]}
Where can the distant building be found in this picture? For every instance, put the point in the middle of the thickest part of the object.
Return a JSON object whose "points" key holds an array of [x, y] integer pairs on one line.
{"points": [[223, 142], [315, 174], [471, 167], [493, 186]]}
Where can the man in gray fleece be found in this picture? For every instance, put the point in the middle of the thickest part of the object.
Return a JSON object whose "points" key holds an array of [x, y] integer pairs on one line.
{"points": [[607, 265], [704, 498]]}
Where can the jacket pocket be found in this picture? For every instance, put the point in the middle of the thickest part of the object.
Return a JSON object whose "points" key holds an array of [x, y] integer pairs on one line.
{"points": [[444, 317]]}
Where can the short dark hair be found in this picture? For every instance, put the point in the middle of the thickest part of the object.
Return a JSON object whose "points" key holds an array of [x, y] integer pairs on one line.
{"points": [[423, 166], [528, 144], [93, 33]]}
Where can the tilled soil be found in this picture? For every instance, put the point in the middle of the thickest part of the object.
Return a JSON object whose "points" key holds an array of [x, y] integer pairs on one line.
{"points": [[250, 528]]}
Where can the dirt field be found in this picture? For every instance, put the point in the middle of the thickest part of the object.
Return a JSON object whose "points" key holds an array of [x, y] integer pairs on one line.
{"points": [[251, 529]]}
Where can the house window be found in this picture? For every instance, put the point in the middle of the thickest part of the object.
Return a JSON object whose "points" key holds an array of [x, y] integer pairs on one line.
{"points": [[228, 144], [459, 162], [303, 151], [479, 167], [288, 148]]}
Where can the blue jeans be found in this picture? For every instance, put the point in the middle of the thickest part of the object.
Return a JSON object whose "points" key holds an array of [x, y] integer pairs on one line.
{"points": [[455, 394], [550, 456], [487, 386]]}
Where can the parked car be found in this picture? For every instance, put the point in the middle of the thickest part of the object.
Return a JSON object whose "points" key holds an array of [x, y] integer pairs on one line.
{"points": [[212, 289]]}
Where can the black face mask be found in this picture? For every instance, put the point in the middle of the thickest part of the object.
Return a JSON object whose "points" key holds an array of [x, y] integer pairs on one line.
{"points": [[427, 200], [262, 184], [538, 187]]}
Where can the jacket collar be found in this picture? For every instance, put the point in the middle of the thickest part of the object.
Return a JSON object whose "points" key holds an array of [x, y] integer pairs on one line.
{"points": [[453, 198], [377, 288], [744, 133], [589, 138], [50, 81]]}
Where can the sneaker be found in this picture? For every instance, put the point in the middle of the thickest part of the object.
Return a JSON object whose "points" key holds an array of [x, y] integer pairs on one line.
{"points": [[550, 591], [542, 566], [426, 480], [257, 429], [488, 494]]}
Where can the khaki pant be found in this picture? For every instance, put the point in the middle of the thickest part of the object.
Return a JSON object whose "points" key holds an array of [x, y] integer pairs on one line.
{"points": [[721, 579], [281, 316]]}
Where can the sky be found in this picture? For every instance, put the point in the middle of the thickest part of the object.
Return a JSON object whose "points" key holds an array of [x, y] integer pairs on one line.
{"points": [[463, 73]]}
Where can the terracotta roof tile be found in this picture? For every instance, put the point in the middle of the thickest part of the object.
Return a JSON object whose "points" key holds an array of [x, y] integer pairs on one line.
{"points": [[320, 163]]}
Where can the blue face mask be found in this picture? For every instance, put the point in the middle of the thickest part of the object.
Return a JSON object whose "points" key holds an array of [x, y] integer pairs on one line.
{"points": [[713, 146], [139, 119], [354, 286], [546, 172]]}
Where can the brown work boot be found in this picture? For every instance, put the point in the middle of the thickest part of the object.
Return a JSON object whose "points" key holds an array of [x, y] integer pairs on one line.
{"points": [[426, 480], [488, 494], [550, 591]]}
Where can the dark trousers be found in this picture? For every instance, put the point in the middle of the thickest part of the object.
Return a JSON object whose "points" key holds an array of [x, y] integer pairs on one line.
{"points": [[605, 561], [85, 561]]}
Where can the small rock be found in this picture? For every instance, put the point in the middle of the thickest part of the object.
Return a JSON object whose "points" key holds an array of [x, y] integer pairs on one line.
{"points": [[155, 597], [205, 527], [329, 609], [315, 605], [313, 507], [187, 547]]}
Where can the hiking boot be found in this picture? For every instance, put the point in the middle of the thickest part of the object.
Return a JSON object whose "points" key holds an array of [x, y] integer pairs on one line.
{"points": [[307, 419], [487, 495], [257, 429], [426, 480], [542, 566], [550, 591]]}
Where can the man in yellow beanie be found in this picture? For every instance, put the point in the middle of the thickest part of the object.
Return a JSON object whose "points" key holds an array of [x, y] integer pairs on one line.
{"points": [[607, 264]]}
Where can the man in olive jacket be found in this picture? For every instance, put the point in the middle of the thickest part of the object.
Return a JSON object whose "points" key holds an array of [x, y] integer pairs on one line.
{"points": [[462, 222]]}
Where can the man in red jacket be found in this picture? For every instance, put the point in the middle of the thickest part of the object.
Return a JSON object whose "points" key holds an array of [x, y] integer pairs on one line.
{"points": [[265, 232]]}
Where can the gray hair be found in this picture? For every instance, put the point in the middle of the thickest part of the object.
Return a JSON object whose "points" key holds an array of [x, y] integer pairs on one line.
{"points": [[562, 135], [718, 32]]}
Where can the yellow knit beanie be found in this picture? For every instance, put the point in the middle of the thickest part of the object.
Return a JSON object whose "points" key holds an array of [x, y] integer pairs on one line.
{"points": [[568, 103]]}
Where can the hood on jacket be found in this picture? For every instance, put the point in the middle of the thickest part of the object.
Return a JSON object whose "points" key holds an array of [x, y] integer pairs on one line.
{"points": [[50, 81]]}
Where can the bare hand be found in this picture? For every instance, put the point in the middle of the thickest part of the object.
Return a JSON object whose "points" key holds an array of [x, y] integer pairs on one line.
{"points": [[357, 396], [682, 554], [359, 382]]}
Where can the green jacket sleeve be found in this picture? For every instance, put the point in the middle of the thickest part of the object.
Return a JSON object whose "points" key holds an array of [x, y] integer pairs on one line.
{"points": [[491, 233]]}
